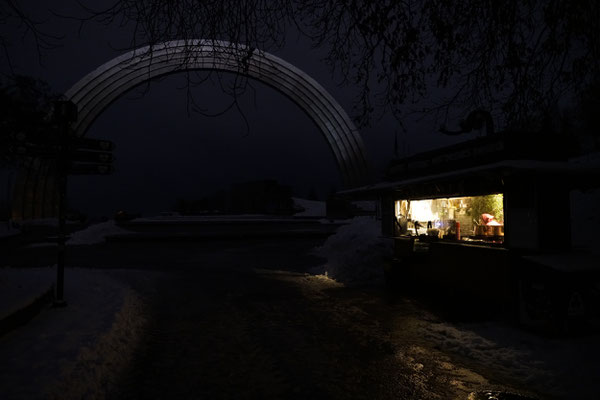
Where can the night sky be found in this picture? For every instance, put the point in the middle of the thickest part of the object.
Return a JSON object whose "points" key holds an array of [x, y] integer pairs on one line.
{"points": [[164, 153]]}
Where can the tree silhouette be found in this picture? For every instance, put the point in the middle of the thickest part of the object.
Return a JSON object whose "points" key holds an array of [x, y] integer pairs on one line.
{"points": [[25, 105], [14, 19], [515, 58]]}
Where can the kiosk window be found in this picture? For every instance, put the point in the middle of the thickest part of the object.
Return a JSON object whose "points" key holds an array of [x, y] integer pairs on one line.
{"points": [[473, 218]]}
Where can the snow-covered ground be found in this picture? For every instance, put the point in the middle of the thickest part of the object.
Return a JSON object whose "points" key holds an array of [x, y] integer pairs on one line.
{"points": [[40, 222], [95, 233], [355, 252], [566, 367], [80, 349], [20, 287], [312, 208], [73, 352]]}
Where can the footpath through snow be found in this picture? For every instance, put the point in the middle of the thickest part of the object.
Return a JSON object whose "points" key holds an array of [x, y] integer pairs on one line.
{"points": [[89, 341]]}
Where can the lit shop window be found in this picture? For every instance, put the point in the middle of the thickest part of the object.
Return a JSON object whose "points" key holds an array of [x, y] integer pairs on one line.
{"points": [[475, 218]]}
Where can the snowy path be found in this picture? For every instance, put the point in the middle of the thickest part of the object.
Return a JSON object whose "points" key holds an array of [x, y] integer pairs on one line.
{"points": [[273, 334], [247, 315]]}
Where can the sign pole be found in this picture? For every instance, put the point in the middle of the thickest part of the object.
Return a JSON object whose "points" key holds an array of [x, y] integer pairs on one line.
{"points": [[65, 112], [62, 207]]}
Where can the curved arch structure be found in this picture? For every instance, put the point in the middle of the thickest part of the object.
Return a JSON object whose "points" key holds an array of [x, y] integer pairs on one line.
{"points": [[96, 91]]}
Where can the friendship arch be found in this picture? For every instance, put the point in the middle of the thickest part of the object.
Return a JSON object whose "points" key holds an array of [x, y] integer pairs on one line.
{"points": [[34, 189]]}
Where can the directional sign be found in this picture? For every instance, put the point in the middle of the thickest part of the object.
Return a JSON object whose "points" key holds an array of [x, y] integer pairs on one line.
{"points": [[93, 144], [12, 137], [50, 137], [90, 169], [75, 155], [19, 150], [28, 150], [91, 156]]}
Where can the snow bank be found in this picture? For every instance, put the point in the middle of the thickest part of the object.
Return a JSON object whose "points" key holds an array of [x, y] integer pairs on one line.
{"points": [[311, 208], [95, 233], [355, 252]]}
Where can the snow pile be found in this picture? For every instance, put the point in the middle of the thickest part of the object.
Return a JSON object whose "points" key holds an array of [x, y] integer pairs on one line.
{"points": [[311, 208], [355, 252], [95, 233]]}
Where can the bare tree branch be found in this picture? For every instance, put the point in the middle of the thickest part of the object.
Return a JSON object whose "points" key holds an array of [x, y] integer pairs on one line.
{"points": [[13, 17], [516, 58]]}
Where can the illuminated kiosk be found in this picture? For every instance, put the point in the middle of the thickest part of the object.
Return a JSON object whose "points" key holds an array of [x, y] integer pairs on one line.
{"points": [[34, 190], [476, 223]]}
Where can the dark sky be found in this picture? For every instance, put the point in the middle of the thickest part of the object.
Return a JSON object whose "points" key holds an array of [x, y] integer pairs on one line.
{"points": [[164, 153]]}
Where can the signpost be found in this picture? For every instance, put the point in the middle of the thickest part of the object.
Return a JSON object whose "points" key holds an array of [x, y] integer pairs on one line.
{"points": [[64, 114], [73, 155]]}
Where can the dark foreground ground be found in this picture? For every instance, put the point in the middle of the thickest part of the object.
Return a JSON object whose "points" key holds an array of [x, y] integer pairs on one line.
{"points": [[243, 320]]}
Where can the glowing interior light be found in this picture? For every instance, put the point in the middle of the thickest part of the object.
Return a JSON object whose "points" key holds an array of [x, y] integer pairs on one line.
{"points": [[421, 210]]}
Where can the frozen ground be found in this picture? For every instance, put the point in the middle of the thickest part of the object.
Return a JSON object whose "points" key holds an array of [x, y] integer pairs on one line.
{"points": [[567, 367], [77, 349], [95, 233], [312, 208]]}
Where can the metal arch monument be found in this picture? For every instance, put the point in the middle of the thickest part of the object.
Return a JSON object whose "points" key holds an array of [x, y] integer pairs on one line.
{"points": [[96, 91]]}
